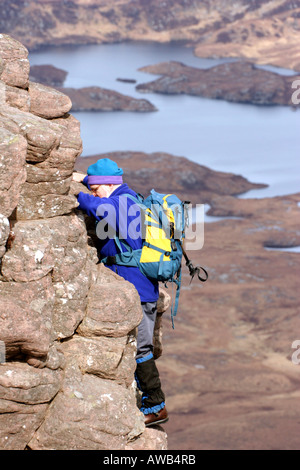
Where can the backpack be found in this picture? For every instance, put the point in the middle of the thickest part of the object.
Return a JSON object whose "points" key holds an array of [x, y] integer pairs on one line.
{"points": [[164, 219]]}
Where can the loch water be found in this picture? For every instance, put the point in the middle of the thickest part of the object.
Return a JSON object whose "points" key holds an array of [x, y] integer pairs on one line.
{"points": [[259, 142]]}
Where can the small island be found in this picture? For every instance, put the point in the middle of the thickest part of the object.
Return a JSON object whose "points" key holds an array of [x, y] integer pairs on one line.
{"points": [[48, 75], [100, 99], [92, 98], [126, 80], [183, 177], [240, 82]]}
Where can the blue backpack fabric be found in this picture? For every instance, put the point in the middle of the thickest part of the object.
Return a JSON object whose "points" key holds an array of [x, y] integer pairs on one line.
{"points": [[164, 219]]}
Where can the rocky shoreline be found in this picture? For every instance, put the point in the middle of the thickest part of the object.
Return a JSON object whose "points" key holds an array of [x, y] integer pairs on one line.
{"points": [[190, 181], [47, 75], [92, 98], [100, 99], [239, 82]]}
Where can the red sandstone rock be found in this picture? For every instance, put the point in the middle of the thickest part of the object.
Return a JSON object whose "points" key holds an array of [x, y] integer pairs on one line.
{"points": [[13, 173], [15, 97], [24, 394], [26, 317], [14, 69], [108, 358], [113, 309], [4, 233], [89, 414], [47, 102], [51, 288]]}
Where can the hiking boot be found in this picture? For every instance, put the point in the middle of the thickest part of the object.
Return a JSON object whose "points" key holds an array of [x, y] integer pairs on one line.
{"points": [[156, 418]]}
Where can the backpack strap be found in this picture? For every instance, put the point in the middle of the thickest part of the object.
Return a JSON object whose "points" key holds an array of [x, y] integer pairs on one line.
{"points": [[194, 270], [138, 199], [124, 258], [127, 257], [174, 306]]}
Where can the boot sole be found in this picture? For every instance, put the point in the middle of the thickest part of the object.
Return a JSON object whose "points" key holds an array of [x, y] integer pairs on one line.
{"points": [[154, 423]]}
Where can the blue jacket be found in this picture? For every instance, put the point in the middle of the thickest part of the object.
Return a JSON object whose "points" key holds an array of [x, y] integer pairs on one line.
{"points": [[107, 213]]}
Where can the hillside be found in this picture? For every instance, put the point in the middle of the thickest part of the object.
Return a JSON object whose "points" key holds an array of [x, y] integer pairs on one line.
{"points": [[263, 31]]}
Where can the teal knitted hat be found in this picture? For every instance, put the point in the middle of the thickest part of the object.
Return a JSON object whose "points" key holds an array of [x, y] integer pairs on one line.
{"points": [[104, 171]]}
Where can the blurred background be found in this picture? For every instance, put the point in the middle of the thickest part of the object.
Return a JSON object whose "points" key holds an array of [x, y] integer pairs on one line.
{"points": [[200, 98]]}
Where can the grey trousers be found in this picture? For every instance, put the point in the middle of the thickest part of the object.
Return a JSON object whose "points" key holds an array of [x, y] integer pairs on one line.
{"points": [[146, 374], [146, 329]]}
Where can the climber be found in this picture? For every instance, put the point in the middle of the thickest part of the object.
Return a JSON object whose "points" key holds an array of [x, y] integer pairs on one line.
{"points": [[105, 181]]}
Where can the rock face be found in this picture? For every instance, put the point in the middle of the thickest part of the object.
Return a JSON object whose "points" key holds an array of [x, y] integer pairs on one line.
{"points": [[238, 82], [264, 31], [67, 325]]}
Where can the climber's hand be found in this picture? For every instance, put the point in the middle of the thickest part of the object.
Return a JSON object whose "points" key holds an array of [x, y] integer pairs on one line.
{"points": [[78, 177]]}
